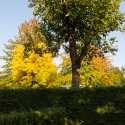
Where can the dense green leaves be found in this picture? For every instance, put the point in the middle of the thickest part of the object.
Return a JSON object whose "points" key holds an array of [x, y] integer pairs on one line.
{"points": [[78, 25], [91, 20], [51, 116]]}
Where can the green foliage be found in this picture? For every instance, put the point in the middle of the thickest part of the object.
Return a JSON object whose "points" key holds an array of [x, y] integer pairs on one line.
{"points": [[77, 26], [88, 18], [120, 76], [48, 116], [88, 106]]}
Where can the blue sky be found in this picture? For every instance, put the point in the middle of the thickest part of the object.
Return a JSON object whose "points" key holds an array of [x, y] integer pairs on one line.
{"points": [[12, 14], [15, 12]]}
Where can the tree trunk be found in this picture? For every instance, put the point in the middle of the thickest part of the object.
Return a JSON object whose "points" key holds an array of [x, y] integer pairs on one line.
{"points": [[75, 59], [75, 74]]}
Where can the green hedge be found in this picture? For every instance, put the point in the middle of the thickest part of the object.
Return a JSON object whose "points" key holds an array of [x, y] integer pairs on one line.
{"points": [[88, 106]]}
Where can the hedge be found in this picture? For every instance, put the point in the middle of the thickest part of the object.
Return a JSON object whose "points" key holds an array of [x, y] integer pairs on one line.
{"points": [[88, 106]]}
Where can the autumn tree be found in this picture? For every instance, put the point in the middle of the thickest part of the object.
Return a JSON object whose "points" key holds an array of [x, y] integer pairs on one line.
{"points": [[33, 70], [97, 72], [28, 33], [24, 55], [77, 25]]}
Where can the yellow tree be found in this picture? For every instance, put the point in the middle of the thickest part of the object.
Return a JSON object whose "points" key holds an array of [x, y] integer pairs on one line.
{"points": [[27, 52], [29, 36], [33, 70]]}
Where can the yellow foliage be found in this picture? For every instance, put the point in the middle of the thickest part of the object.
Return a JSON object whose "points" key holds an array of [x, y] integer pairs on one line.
{"points": [[37, 71], [31, 65], [98, 72]]}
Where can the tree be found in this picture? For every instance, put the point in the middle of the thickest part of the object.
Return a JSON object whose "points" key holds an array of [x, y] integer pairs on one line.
{"points": [[29, 36], [28, 48], [98, 72], [77, 25], [33, 70]]}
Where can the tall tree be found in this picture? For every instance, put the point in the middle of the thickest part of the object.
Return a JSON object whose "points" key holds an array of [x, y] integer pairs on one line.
{"points": [[77, 25], [27, 44]]}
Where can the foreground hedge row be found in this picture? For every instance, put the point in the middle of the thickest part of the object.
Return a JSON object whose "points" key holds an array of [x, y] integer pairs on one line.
{"points": [[89, 106]]}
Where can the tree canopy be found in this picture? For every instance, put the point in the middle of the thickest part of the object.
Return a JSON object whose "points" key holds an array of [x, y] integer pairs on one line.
{"points": [[77, 25], [29, 63]]}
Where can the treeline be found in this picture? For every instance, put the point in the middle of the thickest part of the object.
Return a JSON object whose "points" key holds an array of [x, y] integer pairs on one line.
{"points": [[29, 63]]}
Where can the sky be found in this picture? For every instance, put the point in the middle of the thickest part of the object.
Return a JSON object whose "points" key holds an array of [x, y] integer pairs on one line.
{"points": [[14, 12]]}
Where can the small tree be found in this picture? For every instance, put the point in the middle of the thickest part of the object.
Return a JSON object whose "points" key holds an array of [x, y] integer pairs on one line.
{"points": [[77, 25]]}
